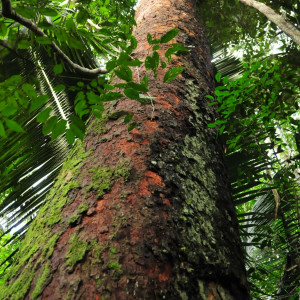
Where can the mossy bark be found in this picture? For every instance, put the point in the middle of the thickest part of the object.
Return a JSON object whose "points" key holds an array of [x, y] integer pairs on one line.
{"points": [[145, 214]]}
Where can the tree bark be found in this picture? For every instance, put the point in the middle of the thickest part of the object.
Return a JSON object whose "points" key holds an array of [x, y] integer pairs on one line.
{"points": [[276, 18], [145, 214]]}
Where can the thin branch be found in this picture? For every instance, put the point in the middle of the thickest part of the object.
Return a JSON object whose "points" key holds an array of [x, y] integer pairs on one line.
{"points": [[8, 12], [276, 18]]}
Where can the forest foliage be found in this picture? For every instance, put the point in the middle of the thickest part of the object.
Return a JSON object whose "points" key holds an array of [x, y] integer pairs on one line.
{"points": [[46, 101]]}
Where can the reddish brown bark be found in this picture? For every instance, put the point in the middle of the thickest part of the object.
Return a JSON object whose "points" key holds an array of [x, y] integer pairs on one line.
{"points": [[167, 229]]}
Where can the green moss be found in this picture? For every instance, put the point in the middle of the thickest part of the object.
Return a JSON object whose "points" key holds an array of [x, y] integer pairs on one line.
{"points": [[83, 207], [113, 265], [73, 219], [76, 251], [98, 125], [113, 250], [96, 250], [19, 288], [103, 177], [49, 248], [41, 281]]}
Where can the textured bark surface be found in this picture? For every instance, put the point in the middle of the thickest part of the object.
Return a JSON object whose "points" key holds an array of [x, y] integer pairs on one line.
{"points": [[145, 214]]}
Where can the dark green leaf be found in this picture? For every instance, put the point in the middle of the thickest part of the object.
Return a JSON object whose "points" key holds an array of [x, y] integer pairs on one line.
{"points": [[48, 127], [38, 102], [59, 88], [3, 30], [135, 63], [128, 118], [47, 11], [58, 69], [2, 130], [133, 42], [132, 93], [131, 126], [163, 64], [82, 16], [70, 136], [124, 73], [138, 87], [75, 43], [25, 12], [70, 24], [110, 96], [218, 77], [24, 44], [151, 41], [43, 40], [29, 90], [173, 73], [59, 129], [13, 125], [9, 110], [169, 35], [43, 115]]}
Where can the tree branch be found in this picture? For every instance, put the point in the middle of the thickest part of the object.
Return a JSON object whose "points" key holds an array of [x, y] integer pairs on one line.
{"points": [[277, 19], [8, 12]]}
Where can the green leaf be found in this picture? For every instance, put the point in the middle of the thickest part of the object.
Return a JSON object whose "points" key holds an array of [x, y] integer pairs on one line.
{"points": [[2, 130], [209, 97], [70, 24], [13, 125], [225, 79], [77, 131], [25, 12], [29, 90], [9, 110], [59, 129], [70, 136], [82, 16], [75, 43], [169, 35], [48, 127], [3, 30], [111, 96], [128, 118], [135, 63], [131, 126], [211, 125], [151, 41], [124, 73], [156, 47], [176, 49], [173, 73], [43, 40], [132, 93], [163, 64], [59, 88], [58, 69], [24, 44], [218, 77], [133, 42], [38, 102], [47, 11], [43, 115], [138, 87]]}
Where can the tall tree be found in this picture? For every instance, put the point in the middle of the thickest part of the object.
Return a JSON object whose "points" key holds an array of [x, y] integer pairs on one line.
{"points": [[145, 214]]}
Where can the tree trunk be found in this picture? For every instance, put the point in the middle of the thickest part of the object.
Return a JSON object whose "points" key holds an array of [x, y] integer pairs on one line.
{"points": [[145, 214]]}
